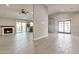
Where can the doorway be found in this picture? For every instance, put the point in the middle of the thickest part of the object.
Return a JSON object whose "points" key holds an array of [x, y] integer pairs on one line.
{"points": [[64, 26]]}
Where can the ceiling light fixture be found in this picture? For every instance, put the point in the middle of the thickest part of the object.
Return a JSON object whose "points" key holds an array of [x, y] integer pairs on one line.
{"points": [[23, 11]]}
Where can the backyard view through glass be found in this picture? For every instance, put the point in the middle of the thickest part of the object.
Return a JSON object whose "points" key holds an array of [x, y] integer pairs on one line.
{"points": [[64, 26]]}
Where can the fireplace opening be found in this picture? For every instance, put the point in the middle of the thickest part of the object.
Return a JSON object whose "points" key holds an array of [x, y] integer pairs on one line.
{"points": [[8, 30]]}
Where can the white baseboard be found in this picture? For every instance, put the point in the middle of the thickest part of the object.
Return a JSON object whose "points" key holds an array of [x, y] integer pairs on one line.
{"points": [[40, 37]]}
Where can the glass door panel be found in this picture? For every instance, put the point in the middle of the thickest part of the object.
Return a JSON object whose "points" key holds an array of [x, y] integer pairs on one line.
{"points": [[23, 27], [61, 24], [18, 26], [67, 26]]}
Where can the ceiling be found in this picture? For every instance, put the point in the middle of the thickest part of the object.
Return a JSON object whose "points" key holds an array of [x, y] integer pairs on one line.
{"points": [[54, 8], [14, 11]]}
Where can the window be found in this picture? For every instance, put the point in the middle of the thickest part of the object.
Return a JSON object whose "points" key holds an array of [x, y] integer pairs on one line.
{"points": [[64, 26]]}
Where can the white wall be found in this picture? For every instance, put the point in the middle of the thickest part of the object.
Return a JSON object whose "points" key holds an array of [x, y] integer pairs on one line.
{"points": [[40, 21], [7, 22], [51, 25], [75, 24]]}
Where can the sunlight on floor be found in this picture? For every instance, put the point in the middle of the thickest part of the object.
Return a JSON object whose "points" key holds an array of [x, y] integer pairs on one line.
{"points": [[64, 42]]}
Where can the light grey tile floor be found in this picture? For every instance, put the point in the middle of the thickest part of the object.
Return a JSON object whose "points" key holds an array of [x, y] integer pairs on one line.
{"points": [[57, 44], [18, 43]]}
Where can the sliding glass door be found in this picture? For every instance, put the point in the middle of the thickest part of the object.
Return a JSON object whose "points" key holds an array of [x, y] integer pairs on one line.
{"points": [[64, 26], [61, 27], [67, 26], [20, 27], [23, 27]]}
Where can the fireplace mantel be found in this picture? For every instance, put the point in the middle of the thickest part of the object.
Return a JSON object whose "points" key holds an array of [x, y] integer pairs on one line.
{"points": [[7, 26]]}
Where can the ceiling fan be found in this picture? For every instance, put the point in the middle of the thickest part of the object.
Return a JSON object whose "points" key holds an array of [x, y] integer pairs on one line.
{"points": [[24, 12]]}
